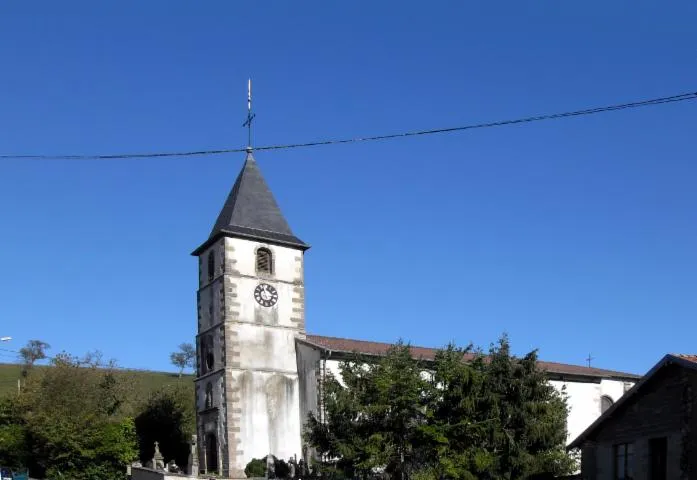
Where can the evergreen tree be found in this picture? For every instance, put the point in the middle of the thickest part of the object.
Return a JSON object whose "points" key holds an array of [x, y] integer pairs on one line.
{"points": [[470, 416], [372, 422], [527, 427]]}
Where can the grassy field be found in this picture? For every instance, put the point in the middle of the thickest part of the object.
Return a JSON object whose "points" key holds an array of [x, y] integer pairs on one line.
{"points": [[144, 381]]}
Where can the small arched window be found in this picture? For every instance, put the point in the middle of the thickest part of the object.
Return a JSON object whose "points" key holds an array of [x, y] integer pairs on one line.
{"points": [[210, 359], [605, 403], [211, 265], [264, 261], [207, 359], [209, 395]]}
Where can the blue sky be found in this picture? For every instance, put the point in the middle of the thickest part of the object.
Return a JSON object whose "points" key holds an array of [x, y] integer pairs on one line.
{"points": [[573, 236]]}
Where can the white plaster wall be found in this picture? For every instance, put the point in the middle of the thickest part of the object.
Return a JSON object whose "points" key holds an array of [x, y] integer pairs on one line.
{"points": [[244, 255], [267, 378], [251, 312], [332, 366], [584, 402], [270, 404], [267, 348]]}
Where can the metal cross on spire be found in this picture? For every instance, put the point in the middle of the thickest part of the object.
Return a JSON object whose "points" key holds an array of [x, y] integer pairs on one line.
{"points": [[250, 116], [589, 360]]}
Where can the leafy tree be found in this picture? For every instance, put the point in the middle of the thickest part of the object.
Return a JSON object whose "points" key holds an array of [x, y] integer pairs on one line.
{"points": [[168, 417], [256, 468], [13, 441], [78, 420], [33, 351], [185, 357]]}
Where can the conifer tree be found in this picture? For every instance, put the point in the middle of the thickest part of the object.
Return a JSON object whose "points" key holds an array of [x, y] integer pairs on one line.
{"points": [[465, 415]]}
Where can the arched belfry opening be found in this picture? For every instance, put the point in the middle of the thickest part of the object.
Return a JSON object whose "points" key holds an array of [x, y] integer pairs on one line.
{"points": [[264, 261]]}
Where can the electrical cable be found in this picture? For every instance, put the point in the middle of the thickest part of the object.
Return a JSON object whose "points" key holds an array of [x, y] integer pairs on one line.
{"points": [[554, 116]]}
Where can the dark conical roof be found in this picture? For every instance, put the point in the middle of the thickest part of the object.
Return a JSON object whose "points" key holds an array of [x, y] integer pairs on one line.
{"points": [[251, 211]]}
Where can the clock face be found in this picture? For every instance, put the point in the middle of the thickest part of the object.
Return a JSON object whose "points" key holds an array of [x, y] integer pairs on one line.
{"points": [[265, 295]]}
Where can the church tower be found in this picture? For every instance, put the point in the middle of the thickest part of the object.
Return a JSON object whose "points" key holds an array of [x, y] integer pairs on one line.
{"points": [[251, 308]]}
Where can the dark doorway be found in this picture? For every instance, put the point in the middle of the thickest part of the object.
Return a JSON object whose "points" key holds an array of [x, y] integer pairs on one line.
{"points": [[211, 453], [658, 453]]}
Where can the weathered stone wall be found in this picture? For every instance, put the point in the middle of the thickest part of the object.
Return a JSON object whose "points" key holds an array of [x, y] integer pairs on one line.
{"points": [[308, 365], [211, 332]]}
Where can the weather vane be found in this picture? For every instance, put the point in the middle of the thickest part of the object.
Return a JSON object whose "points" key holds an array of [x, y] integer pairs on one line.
{"points": [[250, 116]]}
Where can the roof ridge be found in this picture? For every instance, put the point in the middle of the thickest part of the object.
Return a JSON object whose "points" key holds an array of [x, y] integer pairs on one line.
{"points": [[583, 369]]}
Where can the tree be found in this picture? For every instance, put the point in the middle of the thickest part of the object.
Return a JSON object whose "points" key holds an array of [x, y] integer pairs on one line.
{"points": [[465, 416], [13, 438], [457, 422], [185, 357], [168, 417], [33, 351], [77, 419], [526, 417], [371, 423]]}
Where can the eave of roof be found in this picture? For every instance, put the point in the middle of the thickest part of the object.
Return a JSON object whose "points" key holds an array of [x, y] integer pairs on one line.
{"points": [[252, 234], [561, 370], [686, 361]]}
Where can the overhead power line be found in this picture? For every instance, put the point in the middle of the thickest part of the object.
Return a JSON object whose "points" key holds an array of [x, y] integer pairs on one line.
{"points": [[553, 116]]}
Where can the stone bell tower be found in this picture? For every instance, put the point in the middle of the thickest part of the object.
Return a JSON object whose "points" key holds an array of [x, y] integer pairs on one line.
{"points": [[251, 308]]}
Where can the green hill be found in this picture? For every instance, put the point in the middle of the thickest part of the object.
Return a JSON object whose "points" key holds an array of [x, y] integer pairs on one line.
{"points": [[144, 381]]}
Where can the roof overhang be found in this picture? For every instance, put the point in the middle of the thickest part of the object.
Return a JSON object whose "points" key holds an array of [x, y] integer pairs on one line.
{"points": [[255, 235]]}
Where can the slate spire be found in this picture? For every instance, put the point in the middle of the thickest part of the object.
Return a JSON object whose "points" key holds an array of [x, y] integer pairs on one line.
{"points": [[251, 211]]}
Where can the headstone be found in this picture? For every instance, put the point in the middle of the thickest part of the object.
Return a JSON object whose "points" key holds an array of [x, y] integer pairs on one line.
{"points": [[291, 468], [158, 461], [192, 467], [301, 469], [172, 467]]}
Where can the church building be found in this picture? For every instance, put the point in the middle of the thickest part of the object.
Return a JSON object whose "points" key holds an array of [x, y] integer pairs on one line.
{"points": [[258, 371]]}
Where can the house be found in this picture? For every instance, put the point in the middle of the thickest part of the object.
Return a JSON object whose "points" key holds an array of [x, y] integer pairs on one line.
{"points": [[258, 371], [651, 432]]}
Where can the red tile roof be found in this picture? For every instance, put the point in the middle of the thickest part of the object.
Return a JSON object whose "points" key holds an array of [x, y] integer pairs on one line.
{"points": [[688, 357], [345, 345]]}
